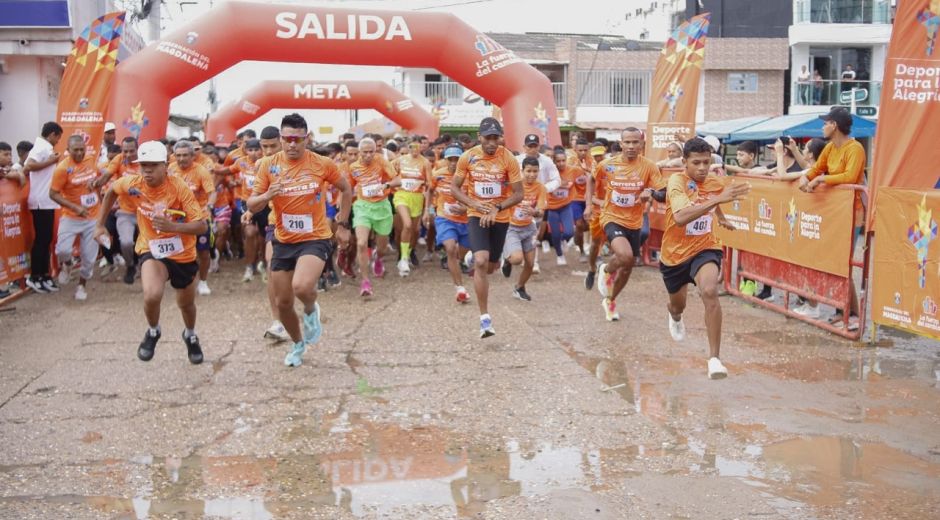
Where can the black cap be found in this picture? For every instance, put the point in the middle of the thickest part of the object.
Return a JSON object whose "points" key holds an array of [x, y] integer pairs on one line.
{"points": [[531, 139], [490, 126], [841, 117]]}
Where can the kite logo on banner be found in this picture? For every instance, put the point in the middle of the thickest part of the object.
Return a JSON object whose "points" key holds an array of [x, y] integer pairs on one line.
{"points": [[921, 234], [930, 18], [138, 121], [541, 121], [791, 218]]}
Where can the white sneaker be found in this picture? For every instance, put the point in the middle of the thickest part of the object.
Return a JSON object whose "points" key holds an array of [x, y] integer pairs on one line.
{"points": [[80, 293], [259, 267], [808, 311], [214, 264], [404, 268], [102, 263], [65, 271], [119, 260], [535, 268], [249, 274], [610, 310], [546, 247], [462, 295], [277, 332], [468, 260], [202, 288], [562, 260], [676, 328], [716, 370], [603, 278]]}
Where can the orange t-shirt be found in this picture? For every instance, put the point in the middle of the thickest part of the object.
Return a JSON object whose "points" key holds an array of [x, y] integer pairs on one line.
{"points": [[234, 155], [564, 193], [245, 173], [583, 168], [624, 183], [680, 243], [118, 168], [445, 203], [71, 180], [300, 209], [197, 178], [600, 188], [206, 161], [172, 195], [533, 196], [414, 172], [489, 178], [368, 181]]}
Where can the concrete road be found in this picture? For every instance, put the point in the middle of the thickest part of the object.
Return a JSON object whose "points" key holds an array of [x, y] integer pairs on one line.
{"points": [[402, 412]]}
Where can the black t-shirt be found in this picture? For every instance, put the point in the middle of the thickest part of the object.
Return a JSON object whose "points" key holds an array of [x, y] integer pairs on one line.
{"points": [[795, 167]]}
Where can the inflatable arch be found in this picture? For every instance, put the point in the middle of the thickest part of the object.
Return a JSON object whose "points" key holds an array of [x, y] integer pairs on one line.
{"points": [[145, 83], [322, 94]]}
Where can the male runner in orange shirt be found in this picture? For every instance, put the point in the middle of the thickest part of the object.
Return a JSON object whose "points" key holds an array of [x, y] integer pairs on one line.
{"points": [[200, 182], [170, 220], [594, 197], [244, 170], [583, 164], [125, 217], [691, 252], [493, 186], [294, 181]]}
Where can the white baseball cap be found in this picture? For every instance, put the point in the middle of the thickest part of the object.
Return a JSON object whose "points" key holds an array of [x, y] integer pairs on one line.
{"points": [[151, 152], [713, 142], [109, 127]]}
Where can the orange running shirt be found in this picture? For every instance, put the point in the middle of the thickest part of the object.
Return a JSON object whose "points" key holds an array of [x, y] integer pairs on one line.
{"points": [[681, 243], [625, 181], [245, 173], [71, 180], [368, 181], [206, 161], [489, 178], [198, 180], [583, 169], [234, 155], [446, 203], [600, 188], [533, 196], [564, 193], [300, 209], [172, 195], [415, 172], [118, 168]]}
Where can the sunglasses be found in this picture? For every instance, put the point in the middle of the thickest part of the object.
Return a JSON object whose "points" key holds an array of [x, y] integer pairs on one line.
{"points": [[293, 138]]}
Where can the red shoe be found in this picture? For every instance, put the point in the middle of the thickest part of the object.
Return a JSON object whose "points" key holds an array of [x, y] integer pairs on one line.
{"points": [[462, 295]]}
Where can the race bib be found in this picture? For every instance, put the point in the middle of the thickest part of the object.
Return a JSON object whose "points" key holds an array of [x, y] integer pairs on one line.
{"points": [[373, 190], [410, 184], [250, 181], [623, 200], [560, 193], [297, 223], [452, 210], [488, 190], [519, 214], [89, 199], [165, 247], [699, 226], [582, 180]]}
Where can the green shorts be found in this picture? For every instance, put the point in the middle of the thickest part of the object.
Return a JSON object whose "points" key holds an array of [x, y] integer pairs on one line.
{"points": [[414, 202], [376, 216]]}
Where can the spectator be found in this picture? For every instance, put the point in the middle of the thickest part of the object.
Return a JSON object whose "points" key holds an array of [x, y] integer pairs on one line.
{"points": [[848, 78], [805, 89], [113, 150], [7, 170], [811, 152], [39, 165], [673, 156], [107, 141], [746, 156], [817, 88], [22, 152]]}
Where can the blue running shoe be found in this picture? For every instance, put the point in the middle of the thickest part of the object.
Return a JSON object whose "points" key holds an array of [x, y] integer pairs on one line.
{"points": [[486, 326], [312, 326], [295, 357]]}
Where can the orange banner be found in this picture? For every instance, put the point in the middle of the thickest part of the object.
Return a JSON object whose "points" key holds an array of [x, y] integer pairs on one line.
{"points": [[778, 220], [675, 87], [15, 226], [906, 265], [86, 84], [906, 155]]}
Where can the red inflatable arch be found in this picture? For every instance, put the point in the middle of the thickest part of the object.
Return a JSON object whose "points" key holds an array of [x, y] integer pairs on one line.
{"points": [[231, 32], [323, 94]]}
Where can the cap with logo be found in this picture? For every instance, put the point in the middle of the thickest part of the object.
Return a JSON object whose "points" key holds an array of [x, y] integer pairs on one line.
{"points": [[598, 150], [490, 126], [531, 139], [109, 127], [151, 152], [453, 151]]}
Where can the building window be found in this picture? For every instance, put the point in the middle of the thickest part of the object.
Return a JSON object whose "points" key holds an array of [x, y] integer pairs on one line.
{"points": [[742, 82], [613, 87]]}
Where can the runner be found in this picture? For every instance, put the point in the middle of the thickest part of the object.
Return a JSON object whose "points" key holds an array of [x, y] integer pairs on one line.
{"points": [[243, 168], [347, 256], [240, 151], [293, 181], [75, 187], [171, 219], [520, 239], [450, 219], [125, 217], [372, 177], [595, 194], [414, 171], [691, 253], [199, 181], [583, 165], [490, 171], [629, 182], [559, 216]]}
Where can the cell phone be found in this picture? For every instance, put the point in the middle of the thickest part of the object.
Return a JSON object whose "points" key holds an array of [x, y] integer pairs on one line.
{"points": [[785, 140]]}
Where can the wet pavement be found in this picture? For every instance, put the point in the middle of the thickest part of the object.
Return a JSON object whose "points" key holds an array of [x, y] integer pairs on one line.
{"points": [[402, 412]]}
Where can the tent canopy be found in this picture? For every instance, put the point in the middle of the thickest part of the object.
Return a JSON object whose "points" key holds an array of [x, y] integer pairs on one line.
{"points": [[722, 129], [797, 125]]}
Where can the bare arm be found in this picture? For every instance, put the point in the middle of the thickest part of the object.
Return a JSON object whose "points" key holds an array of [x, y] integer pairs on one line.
{"points": [[733, 191], [62, 201]]}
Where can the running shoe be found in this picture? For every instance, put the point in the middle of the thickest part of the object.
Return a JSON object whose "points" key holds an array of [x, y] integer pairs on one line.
{"points": [[413, 258], [36, 285], [50, 284], [321, 283], [676, 328], [295, 357], [610, 310], [462, 295], [506, 268], [193, 350], [748, 287], [312, 326], [348, 269], [807, 311], [260, 267], [486, 326], [604, 280], [64, 273], [249, 274], [80, 293], [716, 370], [444, 263], [365, 288], [129, 274], [202, 288], [276, 332], [589, 280], [378, 267], [519, 293], [148, 345], [766, 294], [214, 264], [119, 260], [332, 278], [468, 260], [404, 269], [546, 247], [561, 260]]}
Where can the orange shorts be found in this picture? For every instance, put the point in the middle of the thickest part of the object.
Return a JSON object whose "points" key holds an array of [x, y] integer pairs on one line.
{"points": [[597, 230]]}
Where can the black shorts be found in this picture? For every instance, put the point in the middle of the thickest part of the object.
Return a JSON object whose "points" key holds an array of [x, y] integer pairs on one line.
{"points": [[613, 230], [678, 276], [182, 274], [285, 256], [261, 219], [489, 239]]}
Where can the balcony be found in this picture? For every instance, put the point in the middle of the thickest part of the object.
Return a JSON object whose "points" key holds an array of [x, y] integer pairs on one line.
{"points": [[836, 92], [842, 11], [560, 89], [453, 93]]}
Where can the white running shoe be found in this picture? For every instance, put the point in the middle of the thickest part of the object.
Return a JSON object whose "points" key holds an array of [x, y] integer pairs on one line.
{"points": [[119, 260], [65, 270], [249, 274], [214, 264], [80, 293], [535, 268], [808, 311], [610, 310], [202, 288], [603, 280], [546, 247], [716, 370], [404, 268], [468, 260], [276, 332], [462, 295], [102, 263], [676, 328], [562, 260]]}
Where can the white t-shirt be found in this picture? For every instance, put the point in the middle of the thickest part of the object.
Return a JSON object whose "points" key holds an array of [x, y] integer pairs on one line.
{"points": [[548, 172], [41, 180]]}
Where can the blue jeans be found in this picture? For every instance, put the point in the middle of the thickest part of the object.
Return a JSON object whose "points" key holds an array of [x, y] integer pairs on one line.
{"points": [[561, 222]]}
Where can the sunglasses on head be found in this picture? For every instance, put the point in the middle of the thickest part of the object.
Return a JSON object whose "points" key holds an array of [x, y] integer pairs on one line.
{"points": [[293, 138]]}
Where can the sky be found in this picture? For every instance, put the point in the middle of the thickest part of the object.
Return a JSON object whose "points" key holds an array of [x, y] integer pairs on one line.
{"points": [[590, 17]]}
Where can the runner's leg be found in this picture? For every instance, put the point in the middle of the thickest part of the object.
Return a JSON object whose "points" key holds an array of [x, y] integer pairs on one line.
{"points": [[153, 278], [707, 281], [186, 301]]}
